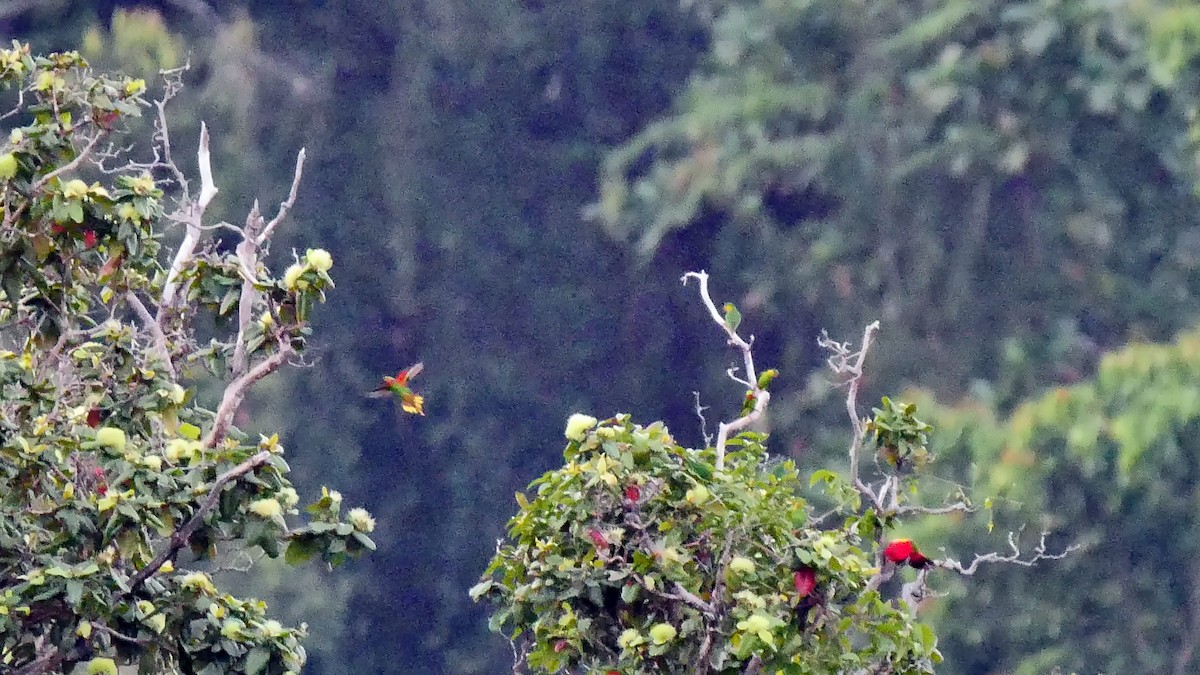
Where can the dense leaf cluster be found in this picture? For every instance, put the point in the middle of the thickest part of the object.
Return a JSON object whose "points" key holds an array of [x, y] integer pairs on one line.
{"points": [[637, 557], [124, 499]]}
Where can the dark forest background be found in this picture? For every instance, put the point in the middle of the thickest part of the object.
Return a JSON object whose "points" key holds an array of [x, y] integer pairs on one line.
{"points": [[511, 190]]}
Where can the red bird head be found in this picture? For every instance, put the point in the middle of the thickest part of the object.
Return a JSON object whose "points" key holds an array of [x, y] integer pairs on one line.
{"points": [[899, 551]]}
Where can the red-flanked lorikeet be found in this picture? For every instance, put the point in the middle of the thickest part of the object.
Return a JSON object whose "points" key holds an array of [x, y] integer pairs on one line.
{"points": [[410, 402], [900, 551]]}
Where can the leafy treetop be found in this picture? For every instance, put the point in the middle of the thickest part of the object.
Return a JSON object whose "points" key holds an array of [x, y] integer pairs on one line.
{"points": [[123, 498]]}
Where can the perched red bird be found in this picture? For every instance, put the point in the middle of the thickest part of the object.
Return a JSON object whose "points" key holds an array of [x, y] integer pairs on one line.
{"points": [[900, 551], [409, 401], [805, 580]]}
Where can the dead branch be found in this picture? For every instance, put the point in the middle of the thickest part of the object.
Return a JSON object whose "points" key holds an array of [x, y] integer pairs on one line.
{"points": [[761, 396], [236, 392], [71, 165], [156, 332], [845, 362], [255, 236], [1014, 558], [286, 204], [703, 422], [191, 218]]}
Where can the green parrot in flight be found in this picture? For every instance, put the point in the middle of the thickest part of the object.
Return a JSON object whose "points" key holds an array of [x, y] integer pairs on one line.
{"points": [[410, 401]]}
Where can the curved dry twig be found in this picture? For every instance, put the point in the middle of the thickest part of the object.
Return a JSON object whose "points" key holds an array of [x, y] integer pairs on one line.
{"points": [[761, 396], [1013, 558]]}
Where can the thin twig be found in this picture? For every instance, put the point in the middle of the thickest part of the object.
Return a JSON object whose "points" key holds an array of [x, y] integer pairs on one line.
{"points": [[845, 362], [160, 338], [121, 636], [1014, 558], [69, 166], [956, 507], [703, 422], [286, 205]]}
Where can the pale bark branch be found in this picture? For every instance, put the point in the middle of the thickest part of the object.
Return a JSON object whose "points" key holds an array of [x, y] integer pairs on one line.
{"points": [[156, 332], [247, 254], [846, 362], [1013, 558], [191, 218], [761, 396], [236, 392], [71, 165], [286, 205]]}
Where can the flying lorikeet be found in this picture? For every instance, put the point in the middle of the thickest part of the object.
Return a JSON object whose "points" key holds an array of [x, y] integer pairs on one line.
{"points": [[410, 401], [900, 551]]}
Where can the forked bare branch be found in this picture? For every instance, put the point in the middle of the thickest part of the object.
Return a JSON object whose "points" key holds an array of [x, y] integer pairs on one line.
{"points": [[761, 396]]}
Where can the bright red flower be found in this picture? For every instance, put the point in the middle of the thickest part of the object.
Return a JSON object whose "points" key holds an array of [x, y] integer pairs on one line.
{"points": [[89, 238], [633, 493]]}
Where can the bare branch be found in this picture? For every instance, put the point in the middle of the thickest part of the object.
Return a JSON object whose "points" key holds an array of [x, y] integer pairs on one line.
{"points": [[160, 339], [236, 392], [703, 422], [71, 165], [180, 538], [761, 396], [121, 636], [1014, 558], [845, 362], [20, 103], [681, 593], [286, 204], [914, 591], [956, 507], [172, 81], [247, 254], [208, 189], [192, 218]]}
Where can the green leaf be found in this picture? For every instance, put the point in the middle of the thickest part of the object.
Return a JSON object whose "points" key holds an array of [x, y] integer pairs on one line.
{"points": [[256, 660], [822, 475], [300, 550], [478, 590], [74, 591]]}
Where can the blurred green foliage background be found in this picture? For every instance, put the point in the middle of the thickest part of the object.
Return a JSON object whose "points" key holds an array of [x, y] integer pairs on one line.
{"points": [[512, 189]]}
